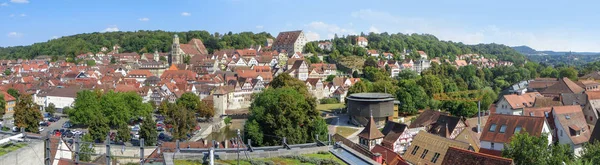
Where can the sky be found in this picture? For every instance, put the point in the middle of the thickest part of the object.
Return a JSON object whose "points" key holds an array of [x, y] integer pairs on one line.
{"points": [[541, 24]]}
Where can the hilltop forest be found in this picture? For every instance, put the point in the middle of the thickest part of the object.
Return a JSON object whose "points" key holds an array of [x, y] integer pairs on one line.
{"points": [[139, 41], [397, 43]]}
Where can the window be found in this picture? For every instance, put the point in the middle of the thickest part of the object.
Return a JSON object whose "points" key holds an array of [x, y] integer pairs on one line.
{"points": [[493, 128], [561, 132], [435, 157], [492, 145], [546, 114], [530, 113], [517, 129], [503, 129], [424, 153], [414, 151]]}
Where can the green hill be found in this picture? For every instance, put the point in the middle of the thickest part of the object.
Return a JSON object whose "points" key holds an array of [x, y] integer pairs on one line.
{"points": [[139, 41]]}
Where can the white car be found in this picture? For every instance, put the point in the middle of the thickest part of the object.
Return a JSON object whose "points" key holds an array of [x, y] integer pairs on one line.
{"points": [[76, 132], [40, 129]]}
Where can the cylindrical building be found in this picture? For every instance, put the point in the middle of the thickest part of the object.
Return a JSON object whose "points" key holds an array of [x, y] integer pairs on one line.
{"points": [[361, 106]]}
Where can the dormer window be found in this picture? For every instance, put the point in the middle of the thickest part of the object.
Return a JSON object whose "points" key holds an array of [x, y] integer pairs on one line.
{"points": [[493, 128], [503, 129], [517, 129]]}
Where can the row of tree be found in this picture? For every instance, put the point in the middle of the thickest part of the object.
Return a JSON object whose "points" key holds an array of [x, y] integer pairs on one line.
{"points": [[139, 41]]}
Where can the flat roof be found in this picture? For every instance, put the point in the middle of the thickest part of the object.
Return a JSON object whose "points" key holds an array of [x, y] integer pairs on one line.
{"points": [[371, 97]]}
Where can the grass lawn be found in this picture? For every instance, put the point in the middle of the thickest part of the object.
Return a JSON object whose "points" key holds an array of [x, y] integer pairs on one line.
{"points": [[345, 131], [277, 160], [330, 107], [6, 148]]}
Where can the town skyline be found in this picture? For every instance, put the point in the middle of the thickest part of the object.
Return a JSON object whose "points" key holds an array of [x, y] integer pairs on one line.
{"points": [[31, 21]]}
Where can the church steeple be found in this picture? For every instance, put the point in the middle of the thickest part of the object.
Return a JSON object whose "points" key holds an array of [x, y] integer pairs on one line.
{"points": [[175, 39]]}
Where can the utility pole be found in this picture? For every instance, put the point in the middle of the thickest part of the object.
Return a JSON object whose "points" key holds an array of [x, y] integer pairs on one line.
{"points": [[108, 161], [238, 146], [478, 116]]}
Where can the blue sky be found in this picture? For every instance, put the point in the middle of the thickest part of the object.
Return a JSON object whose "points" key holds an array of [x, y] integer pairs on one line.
{"points": [[543, 25]]}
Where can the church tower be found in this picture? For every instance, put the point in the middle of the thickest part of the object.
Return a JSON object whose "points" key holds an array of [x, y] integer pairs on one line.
{"points": [[176, 53], [156, 56]]}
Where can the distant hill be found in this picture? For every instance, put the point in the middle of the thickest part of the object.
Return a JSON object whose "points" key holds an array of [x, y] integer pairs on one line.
{"points": [[526, 50], [139, 41]]}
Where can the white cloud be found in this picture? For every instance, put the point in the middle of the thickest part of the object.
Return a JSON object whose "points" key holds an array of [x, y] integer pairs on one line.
{"points": [[329, 30], [54, 37], [22, 15], [144, 19], [312, 36], [19, 1], [4, 4], [374, 29], [112, 28], [15, 34], [185, 14], [259, 26]]}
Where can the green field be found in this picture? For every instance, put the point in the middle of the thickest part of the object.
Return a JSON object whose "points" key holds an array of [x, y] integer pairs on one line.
{"points": [[6, 148], [277, 160], [345, 131], [330, 107]]}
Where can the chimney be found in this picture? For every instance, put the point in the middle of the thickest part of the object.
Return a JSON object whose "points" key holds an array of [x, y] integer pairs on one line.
{"points": [[378, 158]]}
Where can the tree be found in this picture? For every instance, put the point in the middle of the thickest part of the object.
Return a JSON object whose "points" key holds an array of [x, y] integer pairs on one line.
{"points": [[568, 72], [285, 80], [27, 114], [87, 148], [162, 58], [489, 96], [123, 133], [360, 87], [407, 74], [14, 93], [283, 112], [384, 87], [2, 105], [113, 60], [98, 127], [526, 149], [186, 59], [549, 72], [314, 59], [374, 74], [182, 120], [431, 84], [85, 107], [461, 108], [371, 62], [163, 108], [148, 131], [90, 63], [7, 72], [51, 109], [591, 152], [330, 78], [407, 105], [355, 74], [193, 103]]}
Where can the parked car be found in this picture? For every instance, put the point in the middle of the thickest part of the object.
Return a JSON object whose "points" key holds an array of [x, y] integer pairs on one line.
{"points": [[54, 119], [40, 129], [67, 125], [135, 128], [160, 129], [45, 124], [15, 129]]}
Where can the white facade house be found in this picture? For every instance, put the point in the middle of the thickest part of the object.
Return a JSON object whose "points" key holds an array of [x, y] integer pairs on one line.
{"points": [[500, 128], [513, 104], [571, 127]]}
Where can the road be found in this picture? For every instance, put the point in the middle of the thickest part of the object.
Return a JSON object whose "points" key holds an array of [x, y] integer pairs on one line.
{"points": [[55, 125]]}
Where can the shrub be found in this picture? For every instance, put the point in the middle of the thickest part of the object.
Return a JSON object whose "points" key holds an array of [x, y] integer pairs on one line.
{"points": [[227, 120], [329, 101]]}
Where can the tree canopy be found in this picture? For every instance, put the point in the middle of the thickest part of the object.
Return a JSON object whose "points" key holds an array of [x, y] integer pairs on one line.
{"points": [[27, 114], [139, 41], [526, 149], [285, 110]]}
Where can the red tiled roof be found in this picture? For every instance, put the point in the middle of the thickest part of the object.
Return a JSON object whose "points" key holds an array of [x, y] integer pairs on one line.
{"points": [[521, 101], [533, 125], [8, 97], [456, 156], [389, 156]]}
